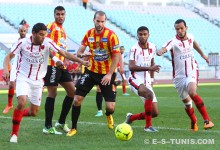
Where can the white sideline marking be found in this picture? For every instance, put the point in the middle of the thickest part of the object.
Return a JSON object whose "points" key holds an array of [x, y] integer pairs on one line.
{"points": [[104, 124]]}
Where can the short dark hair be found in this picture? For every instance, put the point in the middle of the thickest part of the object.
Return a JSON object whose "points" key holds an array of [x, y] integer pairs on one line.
{"points": [[179, 21], [39, 26], [141, 28], [102, 13], [60, 8], [122, 47]]}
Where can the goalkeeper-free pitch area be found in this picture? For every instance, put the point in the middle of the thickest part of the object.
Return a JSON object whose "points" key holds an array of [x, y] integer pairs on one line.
{"points": [[173, 124]]}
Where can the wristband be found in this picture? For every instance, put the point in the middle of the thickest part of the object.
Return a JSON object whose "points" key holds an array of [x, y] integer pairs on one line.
{"points": [[152, 79], [55, 59]]}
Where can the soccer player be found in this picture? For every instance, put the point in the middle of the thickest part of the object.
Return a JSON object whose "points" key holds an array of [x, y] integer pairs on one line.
{"points": [[22, 30], [121, 76], [33, 54], [142, 68], [55, 76], [103, 43], [120, 73], [185, 71]]}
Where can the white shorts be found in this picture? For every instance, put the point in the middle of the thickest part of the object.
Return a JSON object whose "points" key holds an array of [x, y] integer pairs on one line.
{"points": [[32, 89], [13, 70], [181, 85], [13, 74], [135, 83]]}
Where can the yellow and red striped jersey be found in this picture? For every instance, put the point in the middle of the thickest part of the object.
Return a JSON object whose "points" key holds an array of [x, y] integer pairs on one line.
{"points": [[102, 47], [57, 33]]}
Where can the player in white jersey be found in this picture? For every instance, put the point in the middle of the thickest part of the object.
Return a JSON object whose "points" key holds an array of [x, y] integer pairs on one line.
{"points": [[185, 71], [33, 54], [11, 89], [120, 74], [142, 67]]}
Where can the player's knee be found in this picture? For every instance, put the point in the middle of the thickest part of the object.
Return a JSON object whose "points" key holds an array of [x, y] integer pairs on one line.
{"points": [[77, 101], [148, 95], [109, 111], [155, 114], [34, 114], [192, 93]]}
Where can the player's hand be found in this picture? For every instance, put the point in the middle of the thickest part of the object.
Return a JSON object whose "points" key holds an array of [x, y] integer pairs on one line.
{"points": [[155, 68], [206, 58], [86, 63], [85, 54], [160, 52], [59, 64], [5, 76], [106, 79]]}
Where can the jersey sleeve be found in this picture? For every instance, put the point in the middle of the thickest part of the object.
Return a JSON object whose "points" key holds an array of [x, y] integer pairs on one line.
{"points": [[114, 43], [168, 45], [85, 40], [53, 46], [154, 50], [16, 48], [132, 54], [49, 30]]}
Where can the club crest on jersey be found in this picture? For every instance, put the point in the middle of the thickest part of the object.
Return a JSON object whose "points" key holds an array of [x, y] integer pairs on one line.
{"points": [[180, 45], [104, 39], [91, 39], [28, 48], [57, 28]]}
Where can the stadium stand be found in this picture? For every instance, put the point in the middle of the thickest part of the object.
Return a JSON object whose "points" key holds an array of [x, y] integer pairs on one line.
{"points": [[124, 20]]}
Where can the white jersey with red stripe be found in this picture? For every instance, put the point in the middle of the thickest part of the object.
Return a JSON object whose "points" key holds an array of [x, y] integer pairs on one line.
{"points": [[182, 54], [33, 59], [142, 57]]}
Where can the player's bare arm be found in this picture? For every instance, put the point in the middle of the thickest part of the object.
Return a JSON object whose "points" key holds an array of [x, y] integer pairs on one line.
{"points": [[198, 49], [58, 62], [107, 78], [121, 69], [72, 57], [161, 51], [81, 52], [133, 67], [6, 63]]}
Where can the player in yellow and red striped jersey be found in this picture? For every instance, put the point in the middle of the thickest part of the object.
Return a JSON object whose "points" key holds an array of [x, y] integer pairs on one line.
{"points": [[55, 76], [103, 45]]}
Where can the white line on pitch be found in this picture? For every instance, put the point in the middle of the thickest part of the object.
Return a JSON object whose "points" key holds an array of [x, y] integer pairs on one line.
{"points": [[103, 124]]}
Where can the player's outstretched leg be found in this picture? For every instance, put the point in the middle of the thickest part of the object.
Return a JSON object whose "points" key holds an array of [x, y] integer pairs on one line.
{"points": [[202, 109]]}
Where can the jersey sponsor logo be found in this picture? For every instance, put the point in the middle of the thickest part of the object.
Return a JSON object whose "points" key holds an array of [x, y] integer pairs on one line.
{"points": [[189, 55], [104, 39], [35, 60], [48, 31], [101, 55], [91, 39], [57, 28]]}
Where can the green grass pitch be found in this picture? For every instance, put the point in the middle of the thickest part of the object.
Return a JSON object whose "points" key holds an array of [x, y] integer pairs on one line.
{"points": [[173, 124]]}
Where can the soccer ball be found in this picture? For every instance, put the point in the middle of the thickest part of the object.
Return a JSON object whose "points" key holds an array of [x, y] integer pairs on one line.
{"points": [[123, 132]]}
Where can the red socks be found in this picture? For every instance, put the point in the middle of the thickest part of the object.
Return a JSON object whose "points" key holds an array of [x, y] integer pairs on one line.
{"points": [[11, 93], [148, 111], [201, 107], [123, 88], [26, 112], [140, 116], [191, 114], [17, 117]]}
